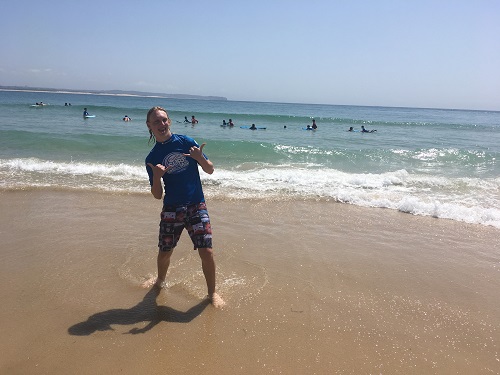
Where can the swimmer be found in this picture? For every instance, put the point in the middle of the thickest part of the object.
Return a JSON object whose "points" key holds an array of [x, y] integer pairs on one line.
{"points": [[363, 130]]}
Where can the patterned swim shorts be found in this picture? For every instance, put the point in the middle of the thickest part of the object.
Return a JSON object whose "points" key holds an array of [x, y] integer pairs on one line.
{"points": [[193, 217]]}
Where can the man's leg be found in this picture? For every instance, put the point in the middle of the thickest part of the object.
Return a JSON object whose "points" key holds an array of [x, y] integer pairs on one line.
{"points": [[208, 266], [163, 262]]}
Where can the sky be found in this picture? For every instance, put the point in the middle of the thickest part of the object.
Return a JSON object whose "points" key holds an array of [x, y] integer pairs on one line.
{"points": [[412, 53]]}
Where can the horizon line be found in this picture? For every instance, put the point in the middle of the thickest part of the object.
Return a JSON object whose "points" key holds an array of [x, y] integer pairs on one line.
{"points": [[145, 94]]}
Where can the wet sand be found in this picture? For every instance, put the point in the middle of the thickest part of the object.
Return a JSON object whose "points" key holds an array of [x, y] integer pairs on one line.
{"points": [[310, 287]]}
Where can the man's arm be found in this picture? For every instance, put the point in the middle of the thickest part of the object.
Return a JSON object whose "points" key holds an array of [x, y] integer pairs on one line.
{"points": [[158, 172], [197, 154]]}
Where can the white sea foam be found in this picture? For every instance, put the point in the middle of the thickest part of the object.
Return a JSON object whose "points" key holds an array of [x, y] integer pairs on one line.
{"points": [[115, 171], [471, 200]]}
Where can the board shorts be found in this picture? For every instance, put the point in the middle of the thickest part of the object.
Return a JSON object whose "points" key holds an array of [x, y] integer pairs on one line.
{"points": [[193, 217]]}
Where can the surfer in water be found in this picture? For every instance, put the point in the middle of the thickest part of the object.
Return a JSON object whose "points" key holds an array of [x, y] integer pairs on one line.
{"points": [[363, 130]]}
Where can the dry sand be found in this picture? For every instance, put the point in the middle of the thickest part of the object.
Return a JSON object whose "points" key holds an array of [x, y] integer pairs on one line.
{"points": [[310, 287]]}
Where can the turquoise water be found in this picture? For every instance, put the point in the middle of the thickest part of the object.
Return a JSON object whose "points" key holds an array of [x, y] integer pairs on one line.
{"points": [[433, 162]]}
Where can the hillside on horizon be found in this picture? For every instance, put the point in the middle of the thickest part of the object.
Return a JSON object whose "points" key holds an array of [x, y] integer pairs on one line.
{"points": [[112, 92]]}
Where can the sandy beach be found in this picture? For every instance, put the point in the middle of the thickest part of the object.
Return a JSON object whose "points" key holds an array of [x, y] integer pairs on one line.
{"points": [[311, 288]]}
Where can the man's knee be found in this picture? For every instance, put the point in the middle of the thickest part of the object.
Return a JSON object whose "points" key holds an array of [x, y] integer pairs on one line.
{"points": [[206, 253], [164, 255]]}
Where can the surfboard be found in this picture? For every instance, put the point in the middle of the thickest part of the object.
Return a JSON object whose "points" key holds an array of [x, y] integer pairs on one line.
{"points": [[258, 128], [308, 129], [89, 116]]}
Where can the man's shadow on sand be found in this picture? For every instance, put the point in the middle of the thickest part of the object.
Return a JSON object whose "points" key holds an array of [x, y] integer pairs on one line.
{"points": [[145, 311]]}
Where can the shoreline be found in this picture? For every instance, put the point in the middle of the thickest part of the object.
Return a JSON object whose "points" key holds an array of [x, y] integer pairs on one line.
{"points": [[124, 94], [230, 196], [253, 101], [310, 287], [81, 93]]}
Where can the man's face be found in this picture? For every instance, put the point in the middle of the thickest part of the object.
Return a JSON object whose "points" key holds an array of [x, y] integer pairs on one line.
{"points": [[159, 124]]}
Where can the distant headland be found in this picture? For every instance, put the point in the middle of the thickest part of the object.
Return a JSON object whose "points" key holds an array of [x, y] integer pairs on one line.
{"points": [[111, 92]]}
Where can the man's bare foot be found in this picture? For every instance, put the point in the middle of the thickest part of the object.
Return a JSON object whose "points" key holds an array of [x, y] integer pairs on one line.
{"points": [[153, 281], [149, 282], [216, 301], [160, 283]]}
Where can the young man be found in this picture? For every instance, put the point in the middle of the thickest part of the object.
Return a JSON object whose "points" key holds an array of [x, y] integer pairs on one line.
{"points": [[175, 159]]}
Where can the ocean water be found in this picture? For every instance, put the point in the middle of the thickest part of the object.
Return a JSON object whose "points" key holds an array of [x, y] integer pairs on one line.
{"points": [[432, 162]]}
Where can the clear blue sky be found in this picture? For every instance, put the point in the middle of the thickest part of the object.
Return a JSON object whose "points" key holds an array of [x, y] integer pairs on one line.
{"points": [[415, 53]]}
